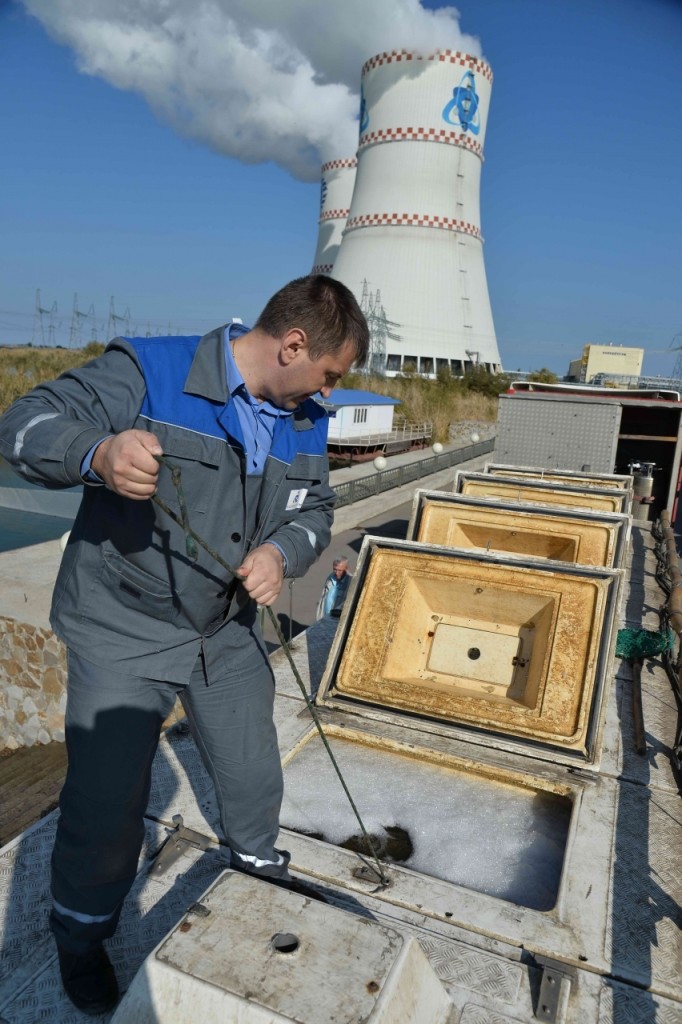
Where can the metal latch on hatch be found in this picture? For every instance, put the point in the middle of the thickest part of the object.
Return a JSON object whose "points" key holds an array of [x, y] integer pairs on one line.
{"points": [[177, 843], [555, 987]]}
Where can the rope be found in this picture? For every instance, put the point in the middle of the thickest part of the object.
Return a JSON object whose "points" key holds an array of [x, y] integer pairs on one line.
{"points": [[191, 540]]}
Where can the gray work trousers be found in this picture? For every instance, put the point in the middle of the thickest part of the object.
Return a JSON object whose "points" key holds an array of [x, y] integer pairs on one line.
{"points": [[113, 722]]}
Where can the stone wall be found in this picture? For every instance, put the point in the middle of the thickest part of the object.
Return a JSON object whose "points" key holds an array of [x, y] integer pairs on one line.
{"points": [[32, 685], [461, 432], [32, 660]]}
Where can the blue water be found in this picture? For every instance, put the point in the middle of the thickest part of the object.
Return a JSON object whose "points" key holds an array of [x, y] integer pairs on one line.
{"points": [[20, 529]]}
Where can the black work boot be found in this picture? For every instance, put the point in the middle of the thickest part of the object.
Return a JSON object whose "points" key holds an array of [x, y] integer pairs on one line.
{"points": [[88, 978]]}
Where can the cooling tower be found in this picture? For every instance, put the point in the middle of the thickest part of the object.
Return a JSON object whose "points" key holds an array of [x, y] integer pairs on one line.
{"points": [[412, 241], [338, 178]]}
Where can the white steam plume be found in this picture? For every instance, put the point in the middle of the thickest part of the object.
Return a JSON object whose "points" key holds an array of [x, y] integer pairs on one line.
{"points": [[254, 79]]}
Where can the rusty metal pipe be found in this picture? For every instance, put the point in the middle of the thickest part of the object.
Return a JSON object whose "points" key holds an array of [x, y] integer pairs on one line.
{"points": [[674, 613], [674, 602]]}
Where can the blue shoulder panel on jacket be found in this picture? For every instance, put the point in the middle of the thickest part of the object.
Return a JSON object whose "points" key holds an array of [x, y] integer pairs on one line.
{"points": [[165, 364]]}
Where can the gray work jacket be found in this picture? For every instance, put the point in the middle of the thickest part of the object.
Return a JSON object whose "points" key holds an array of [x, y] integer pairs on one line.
{"points": [[127, 591]]}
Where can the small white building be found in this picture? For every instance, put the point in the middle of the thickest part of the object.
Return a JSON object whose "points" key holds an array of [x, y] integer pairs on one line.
{"points": [[361, 425], [355, 414]]}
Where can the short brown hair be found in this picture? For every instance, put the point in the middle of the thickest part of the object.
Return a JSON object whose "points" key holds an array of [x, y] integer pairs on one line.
{"points": [[325, 309]]}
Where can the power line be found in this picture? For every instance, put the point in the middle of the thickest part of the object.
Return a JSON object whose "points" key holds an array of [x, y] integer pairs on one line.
{"points": [[115, 319], [39, 324], [46, 323], [77, 318]]}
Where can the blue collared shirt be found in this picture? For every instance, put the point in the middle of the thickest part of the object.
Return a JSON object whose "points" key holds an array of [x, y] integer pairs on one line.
{"points": [[257, 419]]}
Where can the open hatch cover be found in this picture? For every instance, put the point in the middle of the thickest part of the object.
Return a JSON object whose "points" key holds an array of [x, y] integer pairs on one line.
{"points": [[504, 650]]}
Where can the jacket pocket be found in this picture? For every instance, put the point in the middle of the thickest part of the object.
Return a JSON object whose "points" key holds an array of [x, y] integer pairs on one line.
{"points": [[129, 586], [197, 459], [307, 467]]}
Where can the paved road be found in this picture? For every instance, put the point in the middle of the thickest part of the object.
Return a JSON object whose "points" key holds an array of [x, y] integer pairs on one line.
{"points": [[297, 603]]}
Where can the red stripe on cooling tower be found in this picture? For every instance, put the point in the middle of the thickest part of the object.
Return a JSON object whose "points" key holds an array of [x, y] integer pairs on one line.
{"points": [[334, 165], [465, 60], [334, 215], [420, 220], [421, 135]]}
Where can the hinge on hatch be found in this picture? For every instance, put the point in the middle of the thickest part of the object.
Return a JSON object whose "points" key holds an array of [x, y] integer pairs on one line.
{"points": [[178, 842], [555, 987]]}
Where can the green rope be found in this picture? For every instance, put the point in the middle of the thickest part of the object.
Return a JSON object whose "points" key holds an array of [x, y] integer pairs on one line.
{"points": [[643, 643], [190, 538]]}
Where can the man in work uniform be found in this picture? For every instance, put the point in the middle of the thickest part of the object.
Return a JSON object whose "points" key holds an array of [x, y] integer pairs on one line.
{"points": [[143, 620], [334, 589]]}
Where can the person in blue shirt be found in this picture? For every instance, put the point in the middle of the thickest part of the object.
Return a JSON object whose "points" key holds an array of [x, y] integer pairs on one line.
{"points": [[335, 589], [144, 620]]}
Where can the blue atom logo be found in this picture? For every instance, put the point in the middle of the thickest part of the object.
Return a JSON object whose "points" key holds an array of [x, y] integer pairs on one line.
{"points": [[462, 109], [364, 116]]}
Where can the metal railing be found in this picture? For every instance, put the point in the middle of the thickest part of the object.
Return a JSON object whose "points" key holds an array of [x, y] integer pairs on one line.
{"points": [[367, 486], [406, 432]]}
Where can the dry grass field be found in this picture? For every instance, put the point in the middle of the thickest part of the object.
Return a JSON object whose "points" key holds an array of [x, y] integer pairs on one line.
{"points": [[22, 368], [441, 402]]}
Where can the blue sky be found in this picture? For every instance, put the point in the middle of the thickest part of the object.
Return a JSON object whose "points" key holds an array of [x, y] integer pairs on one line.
{"points": [[580, 196]]}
